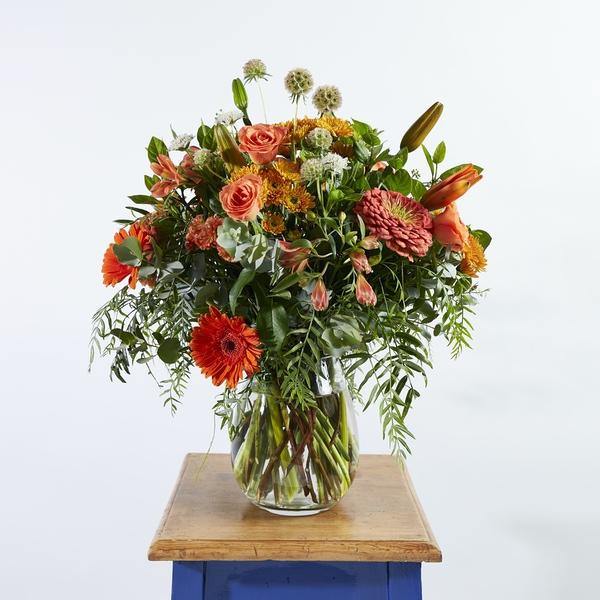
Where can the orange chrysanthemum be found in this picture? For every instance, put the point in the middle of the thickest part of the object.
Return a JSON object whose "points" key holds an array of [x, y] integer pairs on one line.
{"points": [[273, 223], [287, 169], [114, 271], [474, 260], [225, 347], [337, 127]]}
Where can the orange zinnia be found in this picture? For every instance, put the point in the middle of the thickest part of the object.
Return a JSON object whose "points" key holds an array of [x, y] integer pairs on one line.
{"points": [[114, 271], [225, 347]]}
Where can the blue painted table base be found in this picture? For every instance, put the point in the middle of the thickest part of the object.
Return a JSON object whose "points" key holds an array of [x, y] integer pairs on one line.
{"points": [[286, 580]]}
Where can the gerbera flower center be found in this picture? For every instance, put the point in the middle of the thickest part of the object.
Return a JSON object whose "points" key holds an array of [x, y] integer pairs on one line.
{"points": [[230, 345]]}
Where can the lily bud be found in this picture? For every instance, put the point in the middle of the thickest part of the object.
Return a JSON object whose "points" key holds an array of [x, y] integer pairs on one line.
{"points": [[228, 147], [420, 129], [448, 190]]}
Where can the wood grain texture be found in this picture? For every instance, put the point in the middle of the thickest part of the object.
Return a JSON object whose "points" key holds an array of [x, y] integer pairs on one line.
{"points": [[379, 519]]}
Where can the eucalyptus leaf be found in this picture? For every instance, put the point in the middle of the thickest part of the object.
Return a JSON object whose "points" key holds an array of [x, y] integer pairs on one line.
{"points": [[169, 350]]}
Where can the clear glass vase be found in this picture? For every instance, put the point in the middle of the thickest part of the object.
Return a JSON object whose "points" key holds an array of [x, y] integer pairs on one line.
{"points": [[297, 462]]}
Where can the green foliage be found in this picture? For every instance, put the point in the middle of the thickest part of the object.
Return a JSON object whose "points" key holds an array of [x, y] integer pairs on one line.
{"points": [[385, 348]]}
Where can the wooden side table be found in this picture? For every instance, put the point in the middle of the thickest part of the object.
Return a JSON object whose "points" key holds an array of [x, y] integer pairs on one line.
{"points": [[370, 546]]}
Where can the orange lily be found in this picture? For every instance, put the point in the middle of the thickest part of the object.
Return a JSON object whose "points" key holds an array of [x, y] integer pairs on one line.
{"points": [[448, 190]]}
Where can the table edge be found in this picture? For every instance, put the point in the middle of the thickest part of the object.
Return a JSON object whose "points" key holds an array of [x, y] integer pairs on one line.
{"points": [[165, 549]]}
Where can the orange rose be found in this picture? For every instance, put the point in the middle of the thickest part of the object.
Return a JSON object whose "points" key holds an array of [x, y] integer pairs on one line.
{"points": [[262, 142], [449, 230], [241, 199]]}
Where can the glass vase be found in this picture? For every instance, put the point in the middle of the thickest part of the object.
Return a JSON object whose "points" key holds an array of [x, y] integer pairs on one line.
{"points": [[293, 461]]}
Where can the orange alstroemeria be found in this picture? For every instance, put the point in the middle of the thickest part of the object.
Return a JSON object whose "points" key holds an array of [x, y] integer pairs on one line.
{"points": [[448, 190], [170, 177], [293, 258]]}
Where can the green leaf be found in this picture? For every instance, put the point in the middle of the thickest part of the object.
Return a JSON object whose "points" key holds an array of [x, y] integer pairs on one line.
{"points": [[206, 293], [458, 168], [155, 147], [417, 189], [272, 324], [169, 350], [244, 278], [129, 252], [285, 282], [126, 337], [142, 199], [149, 181], [439, 153], [429, 159], [147, 271], [400, 159], [398, 182], [483, 237]]}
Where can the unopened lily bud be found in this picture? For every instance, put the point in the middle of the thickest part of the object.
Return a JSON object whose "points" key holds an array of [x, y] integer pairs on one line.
{"points": [[228, 147], [419, 130]]}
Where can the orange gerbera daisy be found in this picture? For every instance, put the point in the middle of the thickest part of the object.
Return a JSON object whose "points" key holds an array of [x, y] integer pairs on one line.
{"points": [[225, 347], [114, 271]]}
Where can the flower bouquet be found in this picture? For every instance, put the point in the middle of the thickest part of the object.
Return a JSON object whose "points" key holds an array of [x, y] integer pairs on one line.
{"points": [[300, 263]]}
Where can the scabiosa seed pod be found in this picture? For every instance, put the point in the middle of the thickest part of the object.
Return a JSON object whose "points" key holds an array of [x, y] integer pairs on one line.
{"points": [[298, 82], [312, 170], [254, 69], [327, 98], [319, 138]]}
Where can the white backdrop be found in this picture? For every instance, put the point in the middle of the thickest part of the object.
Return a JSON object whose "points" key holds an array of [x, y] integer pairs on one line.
{"points": [[506, 456]]}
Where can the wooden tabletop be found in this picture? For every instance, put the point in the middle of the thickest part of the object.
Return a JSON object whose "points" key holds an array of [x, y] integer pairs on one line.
{"points": [[379, 519]]}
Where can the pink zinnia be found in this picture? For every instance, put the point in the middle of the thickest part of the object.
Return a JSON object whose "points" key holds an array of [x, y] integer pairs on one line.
{"points": [[403, 224], [170, 178], [202, 234]]}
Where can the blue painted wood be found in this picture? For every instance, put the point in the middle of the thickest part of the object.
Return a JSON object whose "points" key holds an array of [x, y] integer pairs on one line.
{"points": [[404, 581], [188, 580], [296, 580], [290, 580]]}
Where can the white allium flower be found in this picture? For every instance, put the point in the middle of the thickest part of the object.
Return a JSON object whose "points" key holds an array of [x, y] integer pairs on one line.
{"points": [[228, 117], [327, 98], [334, 163], [181, 142], [319, 138], [311, 169]]}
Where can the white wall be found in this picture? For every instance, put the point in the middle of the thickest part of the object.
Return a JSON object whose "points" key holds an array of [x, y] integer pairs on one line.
{"points": [[506, 458]]}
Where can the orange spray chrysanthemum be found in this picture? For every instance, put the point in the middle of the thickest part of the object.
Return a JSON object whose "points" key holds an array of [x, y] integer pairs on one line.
{"points": [[114, 271], [225, 348], [473, 261]]}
